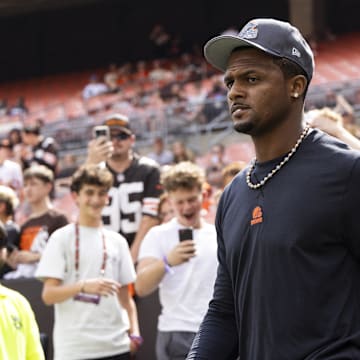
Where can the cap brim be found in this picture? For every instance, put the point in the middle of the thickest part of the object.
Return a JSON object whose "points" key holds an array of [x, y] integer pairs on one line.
{"points": [[121, 128], [218, 50]]}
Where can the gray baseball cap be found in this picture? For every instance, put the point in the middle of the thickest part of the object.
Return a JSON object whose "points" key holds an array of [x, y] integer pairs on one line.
{"points": [[272, 36]]}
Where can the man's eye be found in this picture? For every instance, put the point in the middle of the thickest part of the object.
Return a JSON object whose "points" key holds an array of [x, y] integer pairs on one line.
{"points": [[252, 79], [229, 84]]}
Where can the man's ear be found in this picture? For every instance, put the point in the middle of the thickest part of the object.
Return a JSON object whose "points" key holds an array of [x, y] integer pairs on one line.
{"points": [[298, 86]]}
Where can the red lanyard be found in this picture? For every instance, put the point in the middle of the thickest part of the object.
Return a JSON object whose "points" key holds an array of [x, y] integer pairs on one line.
{"points": [[77, 251]]}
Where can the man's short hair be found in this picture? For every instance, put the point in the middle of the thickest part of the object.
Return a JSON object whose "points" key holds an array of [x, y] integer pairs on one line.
{"points": [[184, 175], [9, 198], [91, 175], [40, 172]]}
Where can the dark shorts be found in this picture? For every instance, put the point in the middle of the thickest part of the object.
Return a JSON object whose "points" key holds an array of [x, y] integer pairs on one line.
{"points": [[173, 345]]}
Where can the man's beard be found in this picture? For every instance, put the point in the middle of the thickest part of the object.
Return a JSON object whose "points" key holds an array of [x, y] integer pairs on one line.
{"points": [[243, 127]]}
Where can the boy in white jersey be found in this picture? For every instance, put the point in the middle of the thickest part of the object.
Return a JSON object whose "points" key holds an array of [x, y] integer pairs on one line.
{"points": [[86, 269]]}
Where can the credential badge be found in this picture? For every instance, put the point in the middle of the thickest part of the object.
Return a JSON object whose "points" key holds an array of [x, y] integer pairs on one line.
{"points": [[250, 31]]}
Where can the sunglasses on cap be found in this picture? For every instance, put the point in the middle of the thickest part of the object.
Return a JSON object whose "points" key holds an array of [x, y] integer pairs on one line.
{"points": [[120, 136]]}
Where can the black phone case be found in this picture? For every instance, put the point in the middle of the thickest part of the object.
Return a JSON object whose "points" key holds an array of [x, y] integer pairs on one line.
{"points": [[185, 234]]}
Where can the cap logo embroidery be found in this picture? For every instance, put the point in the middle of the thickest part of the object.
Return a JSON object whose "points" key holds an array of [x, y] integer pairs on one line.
{"points": [[250, 31], [257, 216], [296, 52]]}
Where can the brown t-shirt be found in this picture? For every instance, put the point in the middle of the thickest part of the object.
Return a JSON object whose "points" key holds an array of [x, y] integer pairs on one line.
{"points": [[49, 222]]}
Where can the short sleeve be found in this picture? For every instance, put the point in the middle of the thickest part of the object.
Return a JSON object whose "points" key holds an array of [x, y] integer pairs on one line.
{"points": [[52, 262]]}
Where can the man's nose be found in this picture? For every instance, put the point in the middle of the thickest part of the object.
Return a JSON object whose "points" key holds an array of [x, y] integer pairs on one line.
{"points": [[235, 91]]}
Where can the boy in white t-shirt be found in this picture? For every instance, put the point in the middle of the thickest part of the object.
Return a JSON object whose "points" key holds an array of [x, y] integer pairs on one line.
{"points": [[184, 268], [86, 269]]}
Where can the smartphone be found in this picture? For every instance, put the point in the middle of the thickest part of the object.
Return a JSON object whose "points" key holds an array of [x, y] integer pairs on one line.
{"points": [[101, 130], [185, 234]]}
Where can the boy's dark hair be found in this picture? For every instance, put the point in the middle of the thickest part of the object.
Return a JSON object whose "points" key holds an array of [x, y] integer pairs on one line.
{"points": [[91, 175], [40, 172]]}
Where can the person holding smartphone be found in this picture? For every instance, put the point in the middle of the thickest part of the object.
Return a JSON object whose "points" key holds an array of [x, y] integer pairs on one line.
{"points": [[134, 195], [179, 257]]}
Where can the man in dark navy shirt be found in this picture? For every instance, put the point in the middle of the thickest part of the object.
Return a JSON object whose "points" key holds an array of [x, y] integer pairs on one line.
{"points": [[287, 286]]}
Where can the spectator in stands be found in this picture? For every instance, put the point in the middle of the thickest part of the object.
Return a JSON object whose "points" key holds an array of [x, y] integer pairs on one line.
{"points": [[331, 122], [192, 67], [196, 100], [165, 209], [10, 171], [159, 74], [111, 78], [94, 88], [134, 196], [3, 107], [183, 270], [217, 163], [14, 136], [141, 72], [215, 102], [38, 149], [20, 337], [231, 170], [8, 204], [85, 269], [19, 108], [161, 155], [228, 173], [68, 166], [181, 152], [43, 221]]}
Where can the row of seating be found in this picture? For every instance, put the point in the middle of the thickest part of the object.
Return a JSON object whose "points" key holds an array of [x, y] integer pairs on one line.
{"points": [[58, 97]]}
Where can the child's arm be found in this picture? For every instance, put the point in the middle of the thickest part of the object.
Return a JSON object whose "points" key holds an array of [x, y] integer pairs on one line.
{"points": [[128, 303], [55, 292]]}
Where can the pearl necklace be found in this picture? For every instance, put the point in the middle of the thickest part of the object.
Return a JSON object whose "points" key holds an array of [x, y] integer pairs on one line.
{"points": [[277, 167]]}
